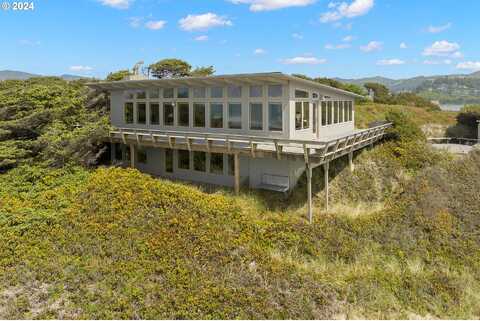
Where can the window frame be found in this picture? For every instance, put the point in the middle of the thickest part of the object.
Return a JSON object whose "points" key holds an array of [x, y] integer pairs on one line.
{"points": [[180, 163], [172, 105], [210, 112], [137, 113], [125, 117], [194, 110], [180, 114], [250, 122], [150, 109], [229, 112], [269, 117]]}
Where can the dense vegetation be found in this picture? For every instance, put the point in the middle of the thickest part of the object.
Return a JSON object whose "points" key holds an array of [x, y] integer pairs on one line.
{"points": [[451, 90], [467, 123], [401, 240]]}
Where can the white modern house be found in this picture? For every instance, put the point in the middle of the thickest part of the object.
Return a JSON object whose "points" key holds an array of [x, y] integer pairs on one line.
{"points": [[258, 130]]}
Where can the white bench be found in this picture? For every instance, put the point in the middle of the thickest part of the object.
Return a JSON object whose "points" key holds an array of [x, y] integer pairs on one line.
{"points": [[275, 183]]}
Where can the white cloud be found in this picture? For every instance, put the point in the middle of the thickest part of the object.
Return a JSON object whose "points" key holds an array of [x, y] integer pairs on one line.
{"points": [[344, 10], [268, 5], [297, 36], [348, 38], [469, 65], [372, 46], [201, 38], [443, 48], [403, 45], [259, 51], [437, 29], [155, 25], [390, 62], [304, 60], [340, 46], [203, 22], [117, 4], [79, 68]]}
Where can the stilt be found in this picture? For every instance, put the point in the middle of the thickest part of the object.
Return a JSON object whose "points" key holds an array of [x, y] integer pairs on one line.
{"points": [[236, 169], [350, 162], [309, 193], [133, 155], [325, 170]]}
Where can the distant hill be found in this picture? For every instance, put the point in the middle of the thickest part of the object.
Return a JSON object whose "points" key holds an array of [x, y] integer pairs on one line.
{"points": [[20, 75], [448, 89]]}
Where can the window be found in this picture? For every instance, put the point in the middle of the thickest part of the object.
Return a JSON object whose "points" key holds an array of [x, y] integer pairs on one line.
{"points": [[231, 165], [168, 114], [340, 112], [235, 116], [216, 116], [306, 115], [183, 159], [329, 112], [275, 117], [118, 152], [183, 114], [301, 94], [128, 113], [141, 94], [128, 94], [169, 160], [275, 91], [350, 111], [298, 115], [200, 161], [256, 91], [315, 117], [154, 114], [335, 112], [142, 156], [182, 92], [198, 115], [168, 93], [324, 113], [141, 113], [345, 111], [234, 91], [216, 92], [256, 116], [199, 92], [154, 94], [216, 163]]}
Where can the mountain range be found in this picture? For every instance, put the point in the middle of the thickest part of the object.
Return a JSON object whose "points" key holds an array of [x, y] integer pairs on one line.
{"points": [[20, 75]]}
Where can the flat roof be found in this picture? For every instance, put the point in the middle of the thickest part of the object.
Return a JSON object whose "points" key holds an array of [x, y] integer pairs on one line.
{"points": [[252, 79]]}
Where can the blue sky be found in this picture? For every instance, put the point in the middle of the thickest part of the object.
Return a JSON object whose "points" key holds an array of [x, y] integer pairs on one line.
{"points": [[351, 38]]}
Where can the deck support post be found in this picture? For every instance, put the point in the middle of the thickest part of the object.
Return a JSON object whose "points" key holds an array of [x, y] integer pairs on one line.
{"points": [[133, 155], [309, 193], [350, 161], [236, 165], [326, 166]]}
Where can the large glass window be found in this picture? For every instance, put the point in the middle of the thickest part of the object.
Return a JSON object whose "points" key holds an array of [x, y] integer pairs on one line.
{"points": [[324, 113], [198, 115], [275, 117], [256, 116], [256, 91], [118, 152], [200, 161], [183, 114], [275, 91], [142, 156], [216, 163], [128, 113], [340, 112], [216, 92], [306, 115], [167, 93], [153, 94], [231, 165], [141, 113], [298, 115], [182, 92], [235, 116], [183, 159], [169, 160], [335, 112], [234, 91], [154, 114], [329, 112], [350, 111], [345, 111], [141, 94], [168, 114], [199, 92], [301, 94], [315, 117], [216, 116]]}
